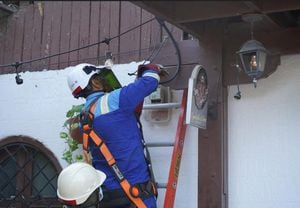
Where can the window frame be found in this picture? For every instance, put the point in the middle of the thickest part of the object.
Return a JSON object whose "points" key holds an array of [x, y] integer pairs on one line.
{"points": [[21, 180]]}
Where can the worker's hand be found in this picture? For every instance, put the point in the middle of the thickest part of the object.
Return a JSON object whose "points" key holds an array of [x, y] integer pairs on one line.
{"points": [[156, 67], [163, 72]]}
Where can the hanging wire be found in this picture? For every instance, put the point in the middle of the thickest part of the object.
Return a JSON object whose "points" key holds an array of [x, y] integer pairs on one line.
{"points": [[106, 41], [103, 57], [152, 56], [178, 66]]}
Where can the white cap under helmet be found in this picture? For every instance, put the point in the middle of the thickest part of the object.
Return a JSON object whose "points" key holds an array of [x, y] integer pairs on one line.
{"points": [[77, 182]]}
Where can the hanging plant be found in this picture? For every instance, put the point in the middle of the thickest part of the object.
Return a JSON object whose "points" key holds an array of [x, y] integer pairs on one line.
{"points": [[72, 135]]}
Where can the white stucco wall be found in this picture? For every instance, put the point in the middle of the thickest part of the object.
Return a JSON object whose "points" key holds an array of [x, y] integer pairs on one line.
{"points": [[37, 109], [264, 140]]}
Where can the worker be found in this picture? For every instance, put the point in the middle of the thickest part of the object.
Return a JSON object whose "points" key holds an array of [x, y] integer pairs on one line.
{"points": [[114, 119], [79, 184]]}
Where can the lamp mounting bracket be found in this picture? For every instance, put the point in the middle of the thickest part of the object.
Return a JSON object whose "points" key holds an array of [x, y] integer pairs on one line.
{"points": [[252, 17]]}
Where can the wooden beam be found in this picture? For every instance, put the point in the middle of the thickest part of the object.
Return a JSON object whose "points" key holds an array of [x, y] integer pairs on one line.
{"points": [[158, 12], [267, 6], [193, 11], [205, 10]]}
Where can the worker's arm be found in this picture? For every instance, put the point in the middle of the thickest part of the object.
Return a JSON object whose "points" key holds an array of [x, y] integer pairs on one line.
{"points": [[147, 82]]}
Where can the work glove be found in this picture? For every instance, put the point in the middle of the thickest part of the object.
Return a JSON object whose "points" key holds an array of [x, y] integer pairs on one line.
{"points": [[156, 67]]}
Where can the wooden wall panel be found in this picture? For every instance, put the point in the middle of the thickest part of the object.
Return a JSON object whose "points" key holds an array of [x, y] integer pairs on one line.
{"points": [[28, 35], [65, 33], [37, 34], [46, 34], [176, 32], [145, 36], [55, 33], [19, 37], [2, 40], [84, 30], [130, 17], [46, 28], [10, 41], [156, 34], [114, 28], [75, 23], [104, 29], [94, 35]]}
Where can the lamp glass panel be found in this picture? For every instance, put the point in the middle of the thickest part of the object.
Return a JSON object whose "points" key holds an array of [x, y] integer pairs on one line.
{"points": [[262, 60], [250, 62]]}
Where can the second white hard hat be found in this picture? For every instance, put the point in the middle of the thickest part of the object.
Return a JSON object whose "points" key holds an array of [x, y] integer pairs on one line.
{"points": [[77, 182]]}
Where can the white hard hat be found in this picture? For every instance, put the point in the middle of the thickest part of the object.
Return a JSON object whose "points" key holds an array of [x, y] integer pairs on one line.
{"points": [[77, 182], [79, 77]]}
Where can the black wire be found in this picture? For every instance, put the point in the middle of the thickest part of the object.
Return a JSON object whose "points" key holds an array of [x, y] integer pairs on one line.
{"points": [[106, 41], [162, 23], [103, 57], [158, 50], [178, 66]]}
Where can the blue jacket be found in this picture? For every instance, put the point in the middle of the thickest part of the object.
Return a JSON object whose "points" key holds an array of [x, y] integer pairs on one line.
{"points": [[115, 122]]}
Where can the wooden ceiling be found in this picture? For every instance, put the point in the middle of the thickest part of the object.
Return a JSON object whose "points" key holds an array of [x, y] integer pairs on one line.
{"points": [[189, 15], [278, 29]]}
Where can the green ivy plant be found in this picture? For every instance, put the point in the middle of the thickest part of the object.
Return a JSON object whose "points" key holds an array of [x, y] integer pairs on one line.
{"points": [[69, 154]]}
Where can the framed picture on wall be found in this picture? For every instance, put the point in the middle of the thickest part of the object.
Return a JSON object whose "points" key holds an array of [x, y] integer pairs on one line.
{"points": [[197, 100]]}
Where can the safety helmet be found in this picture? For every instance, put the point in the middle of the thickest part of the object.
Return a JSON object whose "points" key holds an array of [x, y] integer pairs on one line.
{"points": [[80, 75], [78, 78], [77, 182]]}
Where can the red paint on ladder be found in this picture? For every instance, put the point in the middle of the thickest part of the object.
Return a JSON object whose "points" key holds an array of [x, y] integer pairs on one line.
{"points": [[176, 155]]}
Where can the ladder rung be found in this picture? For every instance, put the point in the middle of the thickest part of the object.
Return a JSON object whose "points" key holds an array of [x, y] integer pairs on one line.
{"points": [[161, 106], [161, 185], [160, 144]]}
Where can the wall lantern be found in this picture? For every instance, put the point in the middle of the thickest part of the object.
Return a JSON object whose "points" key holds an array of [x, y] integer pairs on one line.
{"points": [[253, 58], [253, 54]]}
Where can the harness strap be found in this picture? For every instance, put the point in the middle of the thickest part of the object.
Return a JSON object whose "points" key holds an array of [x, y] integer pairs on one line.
{"points": [[85, 139], [117, 197], [147, 157], [132, 192]]}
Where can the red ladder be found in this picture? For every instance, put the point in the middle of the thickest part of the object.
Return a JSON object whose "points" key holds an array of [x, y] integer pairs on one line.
{"points": [[176, 155], [177, 149]]}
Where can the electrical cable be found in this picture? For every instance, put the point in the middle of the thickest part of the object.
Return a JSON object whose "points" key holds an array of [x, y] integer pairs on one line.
{"points": [[178, 67], [158, 50], [106, 41], [151, 55], [103, 57]]}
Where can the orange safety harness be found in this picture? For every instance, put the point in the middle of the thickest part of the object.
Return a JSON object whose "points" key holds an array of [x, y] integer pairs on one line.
{"points": [[131, 191]]}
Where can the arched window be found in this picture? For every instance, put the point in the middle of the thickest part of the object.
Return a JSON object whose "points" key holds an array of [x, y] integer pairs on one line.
{"points": [[28, 173]]}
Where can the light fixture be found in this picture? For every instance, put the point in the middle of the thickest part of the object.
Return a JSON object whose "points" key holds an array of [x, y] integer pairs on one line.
{"points": [[238, 95], [108, 59], [18, 78], [253, 54]]}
